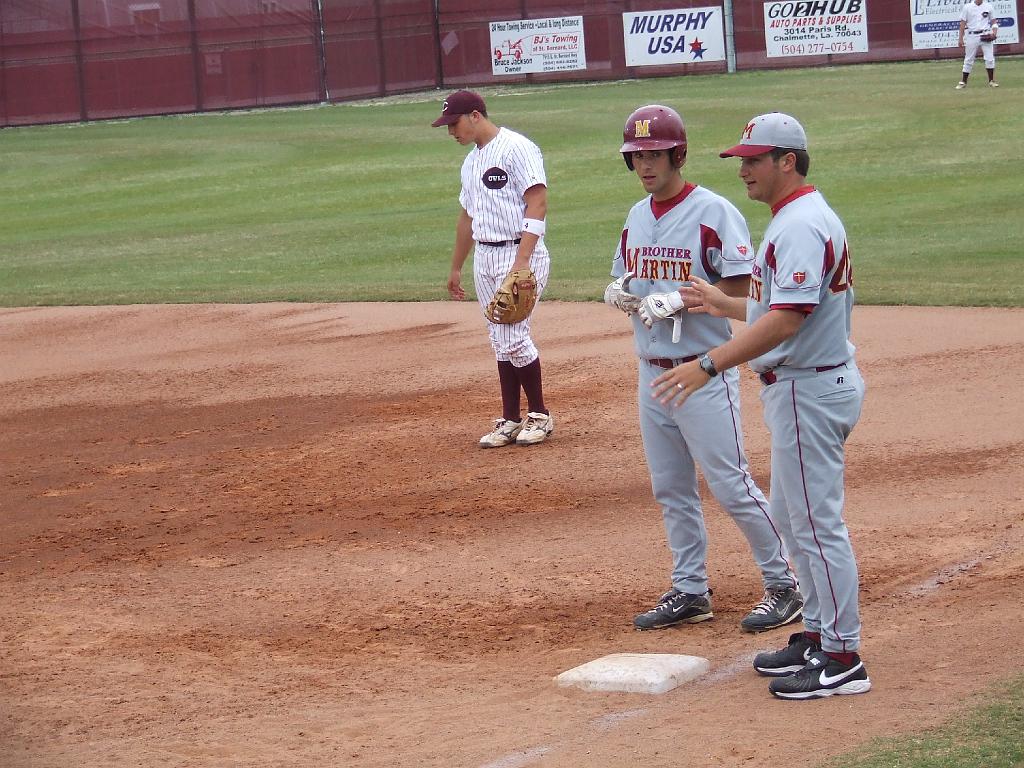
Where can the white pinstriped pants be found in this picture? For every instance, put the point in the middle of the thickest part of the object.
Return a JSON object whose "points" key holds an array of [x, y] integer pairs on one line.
{"points": [[971, 45], [491, 265]]}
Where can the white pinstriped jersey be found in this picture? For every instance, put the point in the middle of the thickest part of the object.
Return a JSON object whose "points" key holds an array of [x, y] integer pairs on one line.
{"points": [[804, 261], [703, 235], [494, 178], [978, 18]]}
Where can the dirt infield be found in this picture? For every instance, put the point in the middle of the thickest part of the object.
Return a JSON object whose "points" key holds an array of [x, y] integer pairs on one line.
{"points": [[264, 536]]}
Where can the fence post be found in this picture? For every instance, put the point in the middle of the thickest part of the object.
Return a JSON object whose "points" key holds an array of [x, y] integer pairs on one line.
{"points": [[321, 48], [197, 61], [730, 38], [439, 74], [381, 71], [83, 110], [523, 13], [4, 118]]}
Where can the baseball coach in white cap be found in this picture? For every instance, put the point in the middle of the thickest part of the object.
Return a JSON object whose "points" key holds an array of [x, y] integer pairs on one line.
{"points": [[797, 341]]}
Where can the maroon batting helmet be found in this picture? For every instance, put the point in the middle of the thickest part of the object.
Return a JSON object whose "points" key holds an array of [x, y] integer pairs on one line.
{"points": [[654, 127]]}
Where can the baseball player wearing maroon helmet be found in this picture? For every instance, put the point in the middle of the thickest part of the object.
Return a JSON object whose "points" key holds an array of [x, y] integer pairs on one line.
{"points": [[677, 232], [978, 29], [504, 204], [798, 341]]}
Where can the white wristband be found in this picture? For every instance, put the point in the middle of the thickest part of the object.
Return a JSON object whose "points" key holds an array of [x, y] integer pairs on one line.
{"points": [[534, 227]]}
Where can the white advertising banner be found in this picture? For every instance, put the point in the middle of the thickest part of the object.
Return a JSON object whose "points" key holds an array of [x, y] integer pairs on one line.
{"points": [[673, 37], [936, 23], [815, 27], [537, 45]]}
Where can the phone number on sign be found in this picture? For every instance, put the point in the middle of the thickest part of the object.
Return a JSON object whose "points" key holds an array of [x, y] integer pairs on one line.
{"points": [[804, 49]]}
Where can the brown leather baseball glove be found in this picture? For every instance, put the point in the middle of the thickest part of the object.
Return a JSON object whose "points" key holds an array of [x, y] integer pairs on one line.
{"points": [[515, 298], [988, 37]]}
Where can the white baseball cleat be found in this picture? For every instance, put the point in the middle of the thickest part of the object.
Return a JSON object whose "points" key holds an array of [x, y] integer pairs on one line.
{"points": [[993, 84], [504, 433], [961, 85], [535, 429]]}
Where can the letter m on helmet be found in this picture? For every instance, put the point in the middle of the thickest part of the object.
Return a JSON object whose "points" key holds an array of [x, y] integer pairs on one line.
{"points": [[654, 127]]}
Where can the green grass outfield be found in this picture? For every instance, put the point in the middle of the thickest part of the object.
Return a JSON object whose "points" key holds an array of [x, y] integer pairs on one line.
{"points": [[989, 736], [358, 201]]}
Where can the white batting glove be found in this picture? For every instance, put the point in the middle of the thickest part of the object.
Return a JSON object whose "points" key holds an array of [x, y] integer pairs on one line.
{"points": [[617, 295], [659, 306]]}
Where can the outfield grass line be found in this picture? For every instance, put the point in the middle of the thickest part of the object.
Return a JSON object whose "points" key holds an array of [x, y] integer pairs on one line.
{"points": [[345, 202]]}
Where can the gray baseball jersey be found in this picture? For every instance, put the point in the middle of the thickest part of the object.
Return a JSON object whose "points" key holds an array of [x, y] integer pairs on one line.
{"points": [[703, 235], [804, 263]]}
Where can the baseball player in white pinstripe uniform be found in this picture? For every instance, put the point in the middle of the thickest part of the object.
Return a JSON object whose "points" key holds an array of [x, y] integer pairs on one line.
{"points": [[504, 205], [978, 30], [797, 339]]}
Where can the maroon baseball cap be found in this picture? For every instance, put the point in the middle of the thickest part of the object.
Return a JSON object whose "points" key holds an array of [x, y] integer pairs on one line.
{"points": [[457, 104]]}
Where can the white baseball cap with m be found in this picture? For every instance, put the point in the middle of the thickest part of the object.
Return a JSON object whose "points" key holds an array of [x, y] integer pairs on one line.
{"points": [[767, 132]]}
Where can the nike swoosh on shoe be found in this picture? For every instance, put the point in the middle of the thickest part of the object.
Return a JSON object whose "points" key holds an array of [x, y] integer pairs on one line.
{"points": [[828, 680]]}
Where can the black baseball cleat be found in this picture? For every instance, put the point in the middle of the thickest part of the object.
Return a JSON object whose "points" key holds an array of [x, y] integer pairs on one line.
{"points": [[778, 607], [823, 676], [790, 659], [676, 608]]}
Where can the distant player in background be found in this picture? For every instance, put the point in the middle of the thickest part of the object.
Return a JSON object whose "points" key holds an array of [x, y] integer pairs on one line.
{"points": [[797, 339], [504, 205], [978, 29], [680, 230]]}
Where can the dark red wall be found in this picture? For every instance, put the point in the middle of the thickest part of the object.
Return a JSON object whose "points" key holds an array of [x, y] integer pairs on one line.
{"points": [[376, 47], [67, 60]]}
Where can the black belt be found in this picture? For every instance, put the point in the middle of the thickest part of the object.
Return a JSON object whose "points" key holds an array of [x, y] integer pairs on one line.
{"points": [[670, 363], [768, 377], [501, 243], [982, 32]]}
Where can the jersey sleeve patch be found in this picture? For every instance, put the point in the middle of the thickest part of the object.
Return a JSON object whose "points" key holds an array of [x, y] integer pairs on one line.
{"points": [[799, 262], [799, 286], [737, 252]]}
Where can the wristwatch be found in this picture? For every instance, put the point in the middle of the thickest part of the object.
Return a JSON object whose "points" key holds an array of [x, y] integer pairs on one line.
{"points": [[707, 365]]}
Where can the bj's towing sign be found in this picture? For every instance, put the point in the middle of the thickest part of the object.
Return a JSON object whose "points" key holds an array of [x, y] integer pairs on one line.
{"points": [[537, 45]]}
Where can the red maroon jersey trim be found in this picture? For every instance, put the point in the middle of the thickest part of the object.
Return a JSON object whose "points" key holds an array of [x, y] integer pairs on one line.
{"points": [[805, 309], [806, 190], [660, 208]]}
